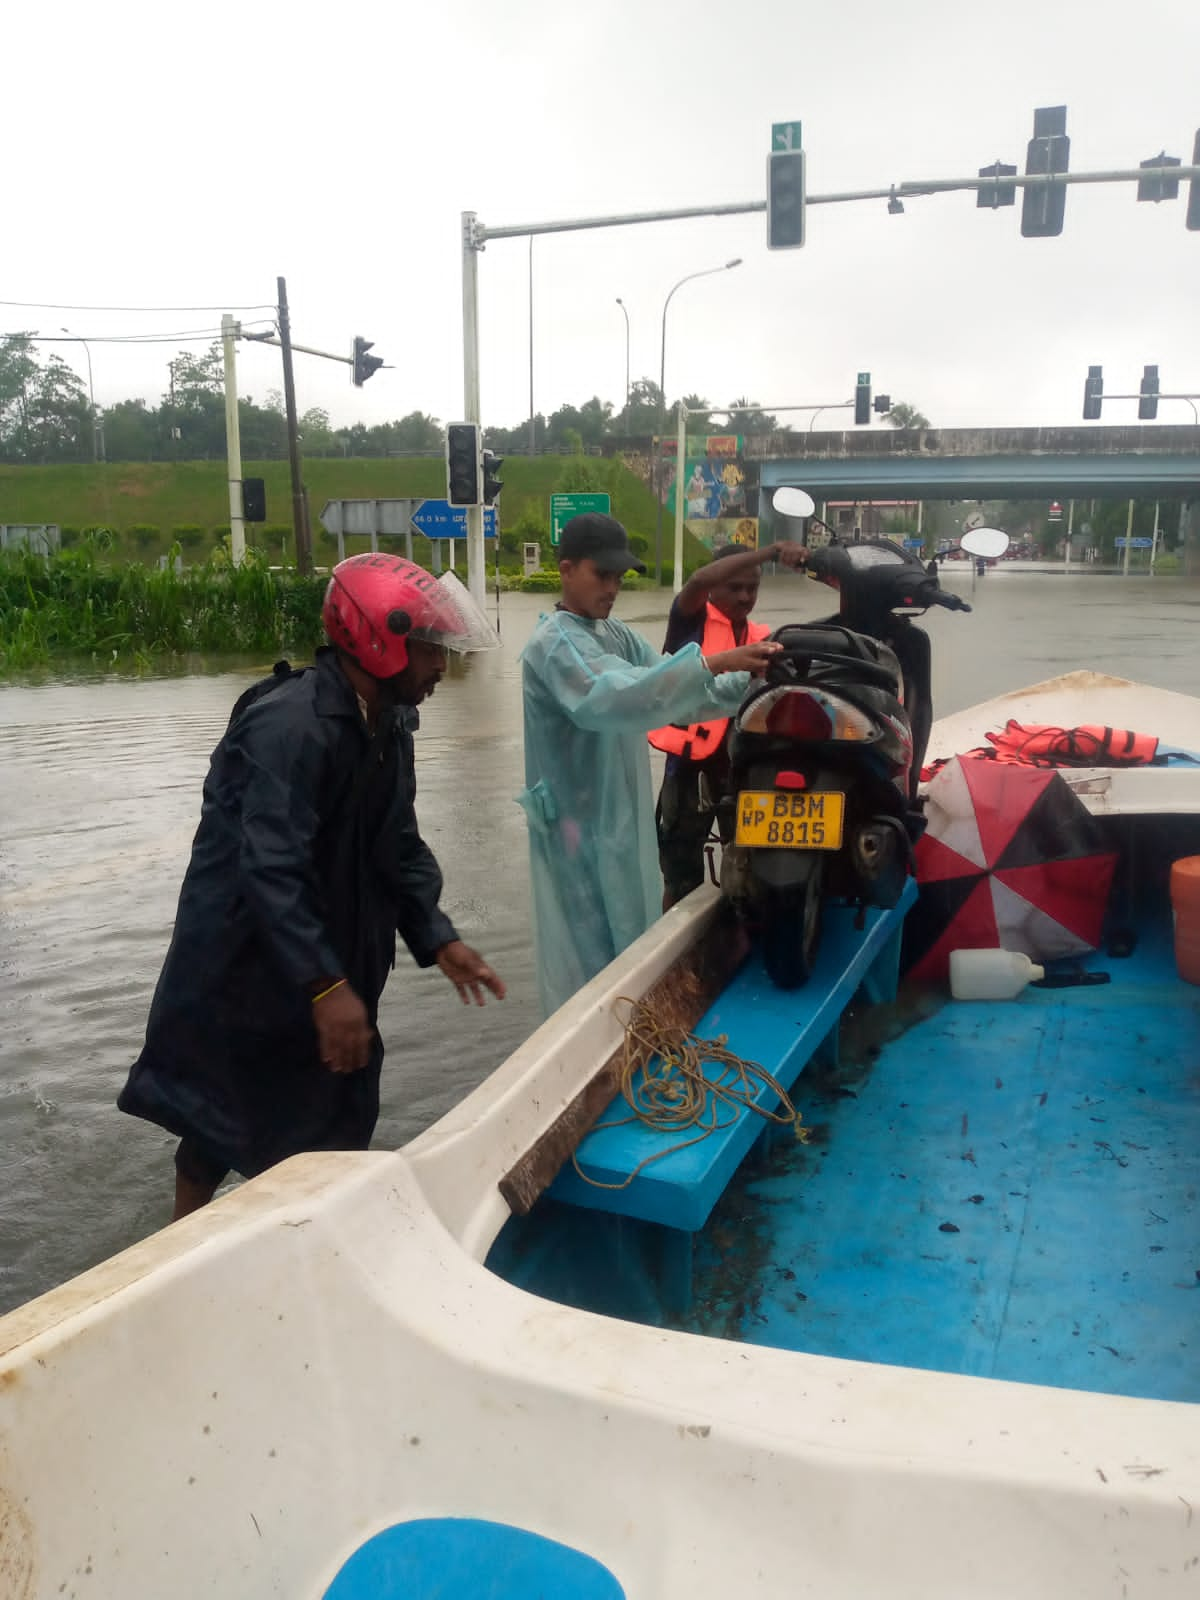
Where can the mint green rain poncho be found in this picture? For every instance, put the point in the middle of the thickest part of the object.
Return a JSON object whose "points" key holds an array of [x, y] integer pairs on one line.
{"points": [[593, 690]]}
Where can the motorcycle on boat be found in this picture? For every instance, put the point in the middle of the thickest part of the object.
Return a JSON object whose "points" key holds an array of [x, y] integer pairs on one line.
{"points": [[825, 751]]}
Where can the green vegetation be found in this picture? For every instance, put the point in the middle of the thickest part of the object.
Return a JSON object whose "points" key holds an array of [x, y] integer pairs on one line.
{"points": [[149, 506], [104, 598], [140, 510], [77, 604], [46, 417]]}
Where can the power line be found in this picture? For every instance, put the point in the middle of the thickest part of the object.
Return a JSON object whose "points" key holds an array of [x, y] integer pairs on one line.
{"points": [[51, 305], [184, 335]]}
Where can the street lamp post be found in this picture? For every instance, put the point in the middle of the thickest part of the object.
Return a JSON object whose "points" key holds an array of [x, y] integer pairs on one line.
{"points": [[97, 432], [532, 423], [625, 309], [662, 407]]}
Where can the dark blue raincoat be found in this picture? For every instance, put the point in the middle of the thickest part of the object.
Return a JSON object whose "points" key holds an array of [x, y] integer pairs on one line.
{"points": [[306, 863]]}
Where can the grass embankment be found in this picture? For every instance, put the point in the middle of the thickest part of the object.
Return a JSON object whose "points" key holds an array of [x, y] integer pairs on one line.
{"points": [[150, 506], [103, 598]]}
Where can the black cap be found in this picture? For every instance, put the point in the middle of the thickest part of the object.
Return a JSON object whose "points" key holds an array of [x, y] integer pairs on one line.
{"points": [[594, 536]]}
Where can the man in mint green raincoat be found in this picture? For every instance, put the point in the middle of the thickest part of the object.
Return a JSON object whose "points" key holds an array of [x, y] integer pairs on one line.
{"points": [[593, 689]]}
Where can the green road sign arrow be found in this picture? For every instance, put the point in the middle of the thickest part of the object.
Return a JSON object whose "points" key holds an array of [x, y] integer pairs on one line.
{"points": [[565, 506]]}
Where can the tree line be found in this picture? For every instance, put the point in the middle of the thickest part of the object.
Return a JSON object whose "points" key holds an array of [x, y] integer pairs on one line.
{"points": [[46, 417]]}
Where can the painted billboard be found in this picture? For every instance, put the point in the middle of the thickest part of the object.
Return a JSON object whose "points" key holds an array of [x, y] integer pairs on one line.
{"points": [[720, 498]]}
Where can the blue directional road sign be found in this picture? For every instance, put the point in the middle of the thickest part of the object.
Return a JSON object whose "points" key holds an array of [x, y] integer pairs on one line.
{"points": [[1135, 544], [438, 519]]}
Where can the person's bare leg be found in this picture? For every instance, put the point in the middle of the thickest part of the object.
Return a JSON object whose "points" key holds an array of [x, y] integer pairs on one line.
{"points": [[190, 1195]]}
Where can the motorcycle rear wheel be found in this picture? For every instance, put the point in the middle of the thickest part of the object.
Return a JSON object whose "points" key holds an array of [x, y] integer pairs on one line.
{"points": [[792, 927]]}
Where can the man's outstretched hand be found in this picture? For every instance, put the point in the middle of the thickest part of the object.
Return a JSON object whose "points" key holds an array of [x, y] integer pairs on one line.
{"points": [[468, 972]]}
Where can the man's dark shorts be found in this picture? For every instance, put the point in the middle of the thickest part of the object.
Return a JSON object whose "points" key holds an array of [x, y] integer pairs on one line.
{"points": [[198, 1164]]}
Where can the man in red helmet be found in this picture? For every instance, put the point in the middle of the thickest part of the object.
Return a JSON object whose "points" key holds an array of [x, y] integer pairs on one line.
{"points": [[308, 860]]}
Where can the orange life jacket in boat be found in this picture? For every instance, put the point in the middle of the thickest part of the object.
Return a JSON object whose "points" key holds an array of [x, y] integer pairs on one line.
{"points": [[1090, 745], [696, 741]]}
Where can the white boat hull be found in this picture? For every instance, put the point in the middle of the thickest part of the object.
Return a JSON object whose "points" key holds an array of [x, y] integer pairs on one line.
{"points": [[235, 1405]]}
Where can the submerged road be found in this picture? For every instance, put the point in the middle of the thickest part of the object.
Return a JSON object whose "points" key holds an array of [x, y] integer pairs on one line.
{"points": [[99, 797]]}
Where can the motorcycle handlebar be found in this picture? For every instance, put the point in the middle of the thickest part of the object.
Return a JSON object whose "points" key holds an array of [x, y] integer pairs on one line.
{"points": [[942, 597]]}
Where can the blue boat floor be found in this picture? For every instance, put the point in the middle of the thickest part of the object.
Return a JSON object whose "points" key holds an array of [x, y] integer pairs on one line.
{"points": [[1007, 1190]]}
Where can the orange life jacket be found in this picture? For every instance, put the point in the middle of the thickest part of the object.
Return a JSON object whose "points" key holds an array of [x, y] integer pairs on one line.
{"points": [[696, 741], [1035, 744], [1089, 745]]}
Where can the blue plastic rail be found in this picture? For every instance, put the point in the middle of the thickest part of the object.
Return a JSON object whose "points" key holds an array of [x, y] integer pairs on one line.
{"points": [[779, 1029]]}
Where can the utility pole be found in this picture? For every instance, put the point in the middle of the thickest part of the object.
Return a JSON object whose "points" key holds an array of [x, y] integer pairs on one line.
{"points": [[476, 559], [304, 561], [532, 423], [233, 441], [680, 459]]}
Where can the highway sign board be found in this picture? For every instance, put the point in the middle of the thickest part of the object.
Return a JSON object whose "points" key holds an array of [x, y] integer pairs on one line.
{"points": [[786, 135], [565, 506], [1135, 544], [438, 519]]}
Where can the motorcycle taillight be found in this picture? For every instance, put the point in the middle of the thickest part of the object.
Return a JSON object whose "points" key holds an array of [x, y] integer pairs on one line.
{"points": [[791, 713], [799, 715]]}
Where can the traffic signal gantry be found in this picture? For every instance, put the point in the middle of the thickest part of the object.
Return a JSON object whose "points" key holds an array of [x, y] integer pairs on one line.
{"points": [[463, 463], [785, 188], [1147, 397], [863, 403], [361, 364], [472, 473], [1043, 184], [489, 466]]}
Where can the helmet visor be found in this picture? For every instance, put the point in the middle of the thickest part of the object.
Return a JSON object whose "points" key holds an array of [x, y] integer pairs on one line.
{"points": [[457, 622]]}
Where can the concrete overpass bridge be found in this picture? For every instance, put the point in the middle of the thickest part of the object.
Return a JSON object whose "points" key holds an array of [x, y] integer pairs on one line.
{"points": [[1146, 462]]}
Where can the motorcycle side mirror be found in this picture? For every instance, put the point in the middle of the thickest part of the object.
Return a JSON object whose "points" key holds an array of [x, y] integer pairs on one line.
{"points": [[987, 542], [793, 502]]}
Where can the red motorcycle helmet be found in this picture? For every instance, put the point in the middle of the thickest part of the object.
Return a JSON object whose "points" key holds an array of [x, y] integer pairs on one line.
{"points": [[375, 603]]}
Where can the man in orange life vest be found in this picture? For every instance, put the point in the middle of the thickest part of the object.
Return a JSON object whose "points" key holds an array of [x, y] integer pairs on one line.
{"points": [[713, 610]]}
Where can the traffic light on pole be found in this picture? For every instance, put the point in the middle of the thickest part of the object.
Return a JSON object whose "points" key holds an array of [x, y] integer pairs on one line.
{"points": [[996, 194], [490, 467], [363, 365], [462, 464], [1049, 150], [1157, 189], [862, 399], [882, 404], [1093, 394], [254, 500], [785, 199], [1148, 398]]}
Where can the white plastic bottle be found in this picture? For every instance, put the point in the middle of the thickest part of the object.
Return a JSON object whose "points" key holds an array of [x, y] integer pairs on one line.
{"points": [[991, 974]]}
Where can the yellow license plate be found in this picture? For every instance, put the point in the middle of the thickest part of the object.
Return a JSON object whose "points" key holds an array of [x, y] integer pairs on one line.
{"points": [[789, 819]]}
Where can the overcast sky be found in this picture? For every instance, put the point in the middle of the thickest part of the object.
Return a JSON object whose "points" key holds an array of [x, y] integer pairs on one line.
{"points": [[157, 161]]}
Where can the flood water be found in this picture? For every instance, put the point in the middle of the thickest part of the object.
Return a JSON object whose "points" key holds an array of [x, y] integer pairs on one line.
{"points": [[99, 797]]}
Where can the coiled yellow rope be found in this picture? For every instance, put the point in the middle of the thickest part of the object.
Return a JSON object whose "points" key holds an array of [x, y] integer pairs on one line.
{"points": [[664, 1083]]}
